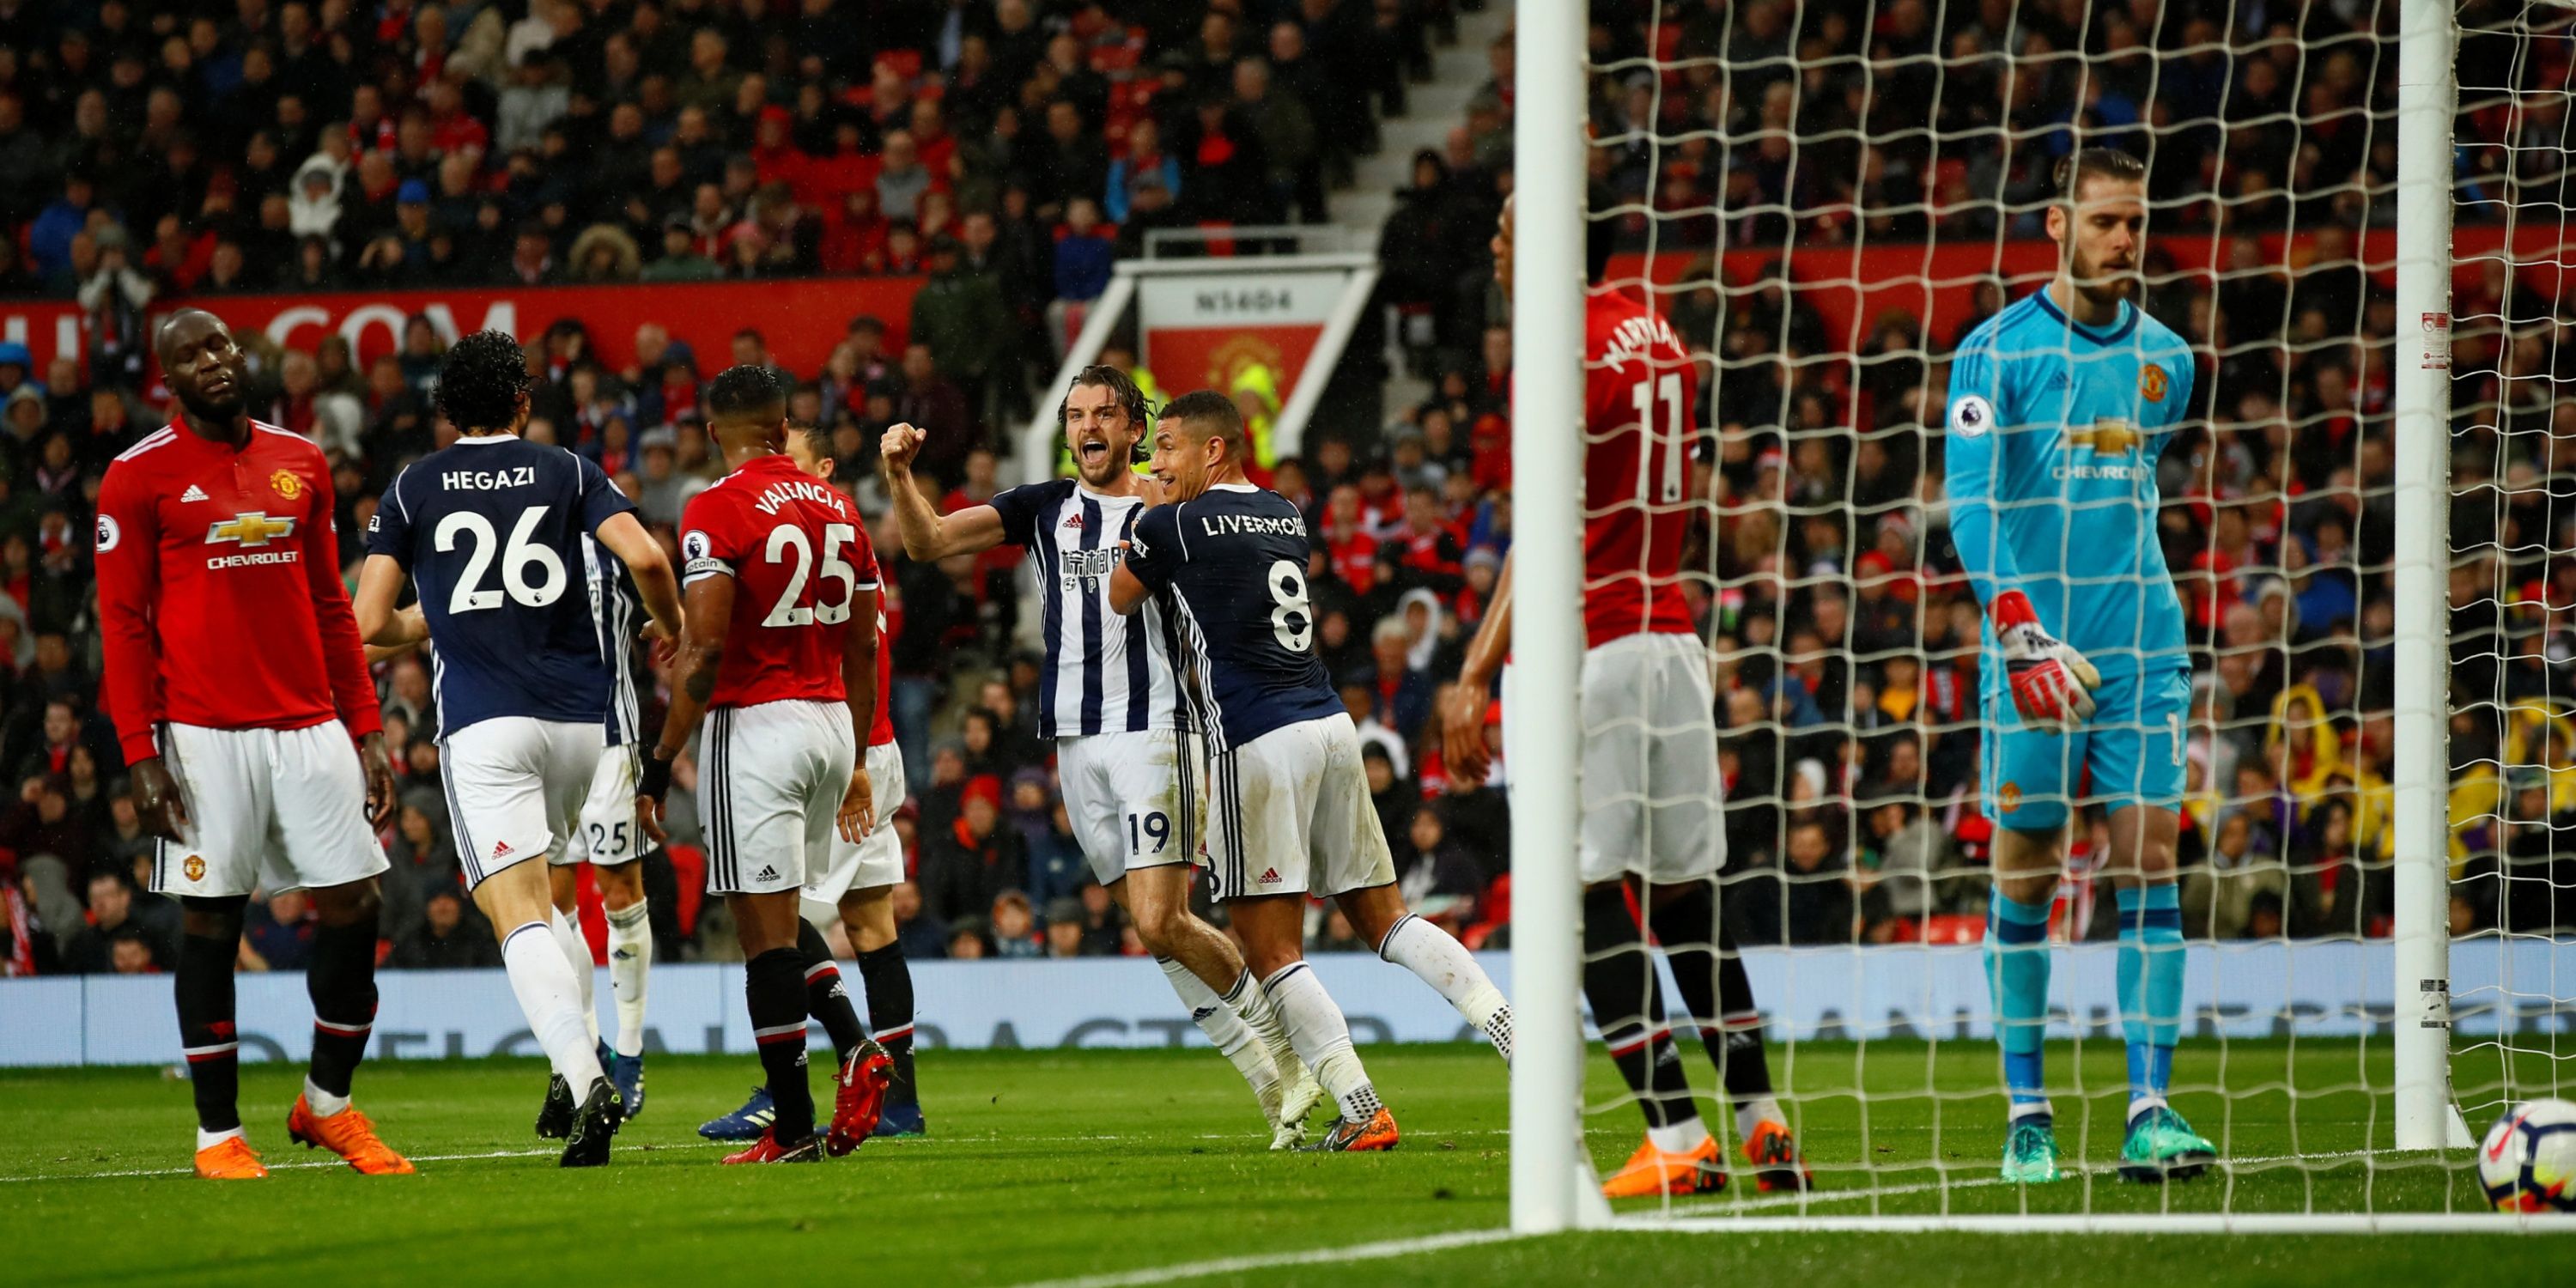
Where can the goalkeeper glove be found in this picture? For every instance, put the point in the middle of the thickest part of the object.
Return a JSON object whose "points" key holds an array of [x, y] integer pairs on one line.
{"points": [[2051, 683]]}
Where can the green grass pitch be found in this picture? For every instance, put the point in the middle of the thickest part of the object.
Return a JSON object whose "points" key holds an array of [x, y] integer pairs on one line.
{"points": [[1049, 1165]]}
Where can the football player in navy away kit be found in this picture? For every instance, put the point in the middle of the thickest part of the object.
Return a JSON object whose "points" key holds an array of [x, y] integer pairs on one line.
{"points": [[1126, 749], [213, 531], [779, 660], [491, 531], [1288, 812]]}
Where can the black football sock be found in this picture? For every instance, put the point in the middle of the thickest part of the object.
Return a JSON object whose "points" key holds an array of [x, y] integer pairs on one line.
{"points": [[826, 998], [341, 979], [1628, 1005], [888, 979], [1716, 991], [774, 985], [204, 985]]}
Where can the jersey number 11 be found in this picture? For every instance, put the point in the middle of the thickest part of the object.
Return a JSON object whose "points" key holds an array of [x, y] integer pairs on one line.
{"points": [[1665, 389]]}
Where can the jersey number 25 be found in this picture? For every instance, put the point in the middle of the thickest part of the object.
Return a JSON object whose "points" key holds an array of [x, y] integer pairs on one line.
{"points": [[787, 539]]}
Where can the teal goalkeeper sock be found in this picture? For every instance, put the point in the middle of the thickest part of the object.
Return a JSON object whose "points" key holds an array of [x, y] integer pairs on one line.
{"points": [[2017, 961], [2150, 983]]}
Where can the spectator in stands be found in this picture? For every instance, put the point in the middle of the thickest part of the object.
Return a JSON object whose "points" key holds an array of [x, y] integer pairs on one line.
{"points": [[92, 950], [451, 936]]}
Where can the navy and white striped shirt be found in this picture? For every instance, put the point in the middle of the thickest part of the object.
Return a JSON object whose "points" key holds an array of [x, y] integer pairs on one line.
{"points": [[615, 605], [1104, 672]]}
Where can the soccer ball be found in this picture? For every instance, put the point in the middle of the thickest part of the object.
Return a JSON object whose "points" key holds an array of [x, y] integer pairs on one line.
{"points": [[2528, 1161]]}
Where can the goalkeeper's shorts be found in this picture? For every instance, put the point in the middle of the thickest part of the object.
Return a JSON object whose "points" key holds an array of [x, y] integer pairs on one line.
{"points": [[2129, 753]]}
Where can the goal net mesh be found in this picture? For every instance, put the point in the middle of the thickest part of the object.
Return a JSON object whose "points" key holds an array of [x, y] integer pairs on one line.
{"points": [[2513, 561], [1824, 200]]}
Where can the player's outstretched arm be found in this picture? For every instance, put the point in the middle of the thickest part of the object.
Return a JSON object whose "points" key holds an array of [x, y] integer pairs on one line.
{"points": [[927, 534], [644, 560], [1462, 719], [708, 614]]}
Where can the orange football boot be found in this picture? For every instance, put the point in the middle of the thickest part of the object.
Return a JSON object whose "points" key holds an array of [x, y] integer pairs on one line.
{"points": [[347, 1134], [1774, 1155], [1347, 1137], [1652, 1171], [230, 1159]]}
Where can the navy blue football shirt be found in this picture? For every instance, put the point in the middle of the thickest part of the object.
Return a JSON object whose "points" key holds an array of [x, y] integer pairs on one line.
{"points": [[491, 531], [1234, 560]]}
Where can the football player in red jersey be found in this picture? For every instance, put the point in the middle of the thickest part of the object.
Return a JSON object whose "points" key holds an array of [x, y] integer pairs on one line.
{"points": [[1653, 823], [779, 658], [241, 697]]}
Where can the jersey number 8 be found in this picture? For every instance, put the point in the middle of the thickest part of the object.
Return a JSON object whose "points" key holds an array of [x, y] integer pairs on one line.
{"points": [[1290, 621], [787, 537], [516, 558]]}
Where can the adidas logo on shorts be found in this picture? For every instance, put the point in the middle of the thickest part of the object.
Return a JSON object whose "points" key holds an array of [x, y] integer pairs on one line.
{"points": [[1269, 876], [767, 874], [501, 851]]}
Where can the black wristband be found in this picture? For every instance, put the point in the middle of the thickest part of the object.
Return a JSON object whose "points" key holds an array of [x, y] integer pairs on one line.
{"points": [[655, 778]]}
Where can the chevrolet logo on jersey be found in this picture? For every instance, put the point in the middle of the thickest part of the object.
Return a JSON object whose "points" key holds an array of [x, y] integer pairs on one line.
{"points": [[252, 530], [2108, 437]]}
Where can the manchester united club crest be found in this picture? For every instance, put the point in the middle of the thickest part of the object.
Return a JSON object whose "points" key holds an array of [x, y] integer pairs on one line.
{"points": [[195, 867], [287, 484], [2151, 382], [2009, 799]]}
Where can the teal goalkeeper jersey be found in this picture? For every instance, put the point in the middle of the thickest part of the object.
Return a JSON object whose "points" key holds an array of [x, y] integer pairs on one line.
{"points": [[2054, 432]]}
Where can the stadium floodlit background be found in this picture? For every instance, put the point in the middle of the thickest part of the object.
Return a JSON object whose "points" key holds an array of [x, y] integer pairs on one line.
{"points": [[905, 207]]}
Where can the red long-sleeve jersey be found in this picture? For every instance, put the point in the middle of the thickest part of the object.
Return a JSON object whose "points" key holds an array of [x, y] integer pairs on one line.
{"points": [[219, 590]]}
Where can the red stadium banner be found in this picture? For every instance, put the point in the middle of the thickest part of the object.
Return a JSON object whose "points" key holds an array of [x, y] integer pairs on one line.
{"points": [[801, 318], [1852, 285]]}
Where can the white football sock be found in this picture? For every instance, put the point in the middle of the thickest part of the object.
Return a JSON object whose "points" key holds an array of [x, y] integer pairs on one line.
{"points": [[210, 1139], [322, 1103], [1754, 1112], [576, 951], [1680, 1137], [1262, 1017], [630, 957], [1446, 965], [551, 1000], [1224, 1029], [1323, 1039]]}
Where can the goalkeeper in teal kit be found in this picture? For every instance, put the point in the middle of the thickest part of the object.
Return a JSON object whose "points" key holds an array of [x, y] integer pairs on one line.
{"points": [[2058, 409]]}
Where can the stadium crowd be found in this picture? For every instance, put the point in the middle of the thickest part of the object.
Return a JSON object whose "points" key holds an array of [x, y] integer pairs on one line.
{"points": [[1012, 149]]}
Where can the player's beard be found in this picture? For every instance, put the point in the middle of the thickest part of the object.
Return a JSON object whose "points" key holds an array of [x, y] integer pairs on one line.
{"points": [[2103, 288], [213, 410]]}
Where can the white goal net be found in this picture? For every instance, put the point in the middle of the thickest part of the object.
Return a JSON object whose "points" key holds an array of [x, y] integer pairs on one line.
{"points": [[1852, 215]]}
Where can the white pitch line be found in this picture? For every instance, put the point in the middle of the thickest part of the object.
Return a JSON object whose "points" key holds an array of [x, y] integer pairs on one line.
{"points": [[1267, 1261], [1813, 1198]]}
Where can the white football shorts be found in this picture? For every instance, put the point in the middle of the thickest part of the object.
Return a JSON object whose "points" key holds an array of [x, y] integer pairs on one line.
{"points": [[515, 787], [876, 861], [1290, 813], [1135, 798], [1653, 800], [267, 808], [609, 835], [770, 779]]}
